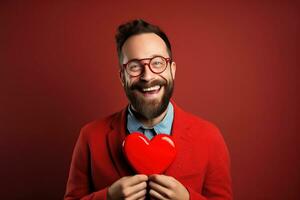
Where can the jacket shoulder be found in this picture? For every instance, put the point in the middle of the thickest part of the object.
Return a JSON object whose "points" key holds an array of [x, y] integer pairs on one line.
{"points": [[201, 125], [193, 120], [101, 125]]}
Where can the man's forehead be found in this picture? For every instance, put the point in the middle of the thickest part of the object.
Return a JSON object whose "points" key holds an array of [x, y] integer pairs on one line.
{"points": [[144, 45]]}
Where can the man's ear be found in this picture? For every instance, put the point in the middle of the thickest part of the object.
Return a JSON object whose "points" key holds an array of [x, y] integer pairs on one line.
{"points": [[121, 77], [173, 69]]}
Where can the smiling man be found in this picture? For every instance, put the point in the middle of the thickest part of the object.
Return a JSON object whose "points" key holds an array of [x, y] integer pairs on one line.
{"points": [[147, 72], [148, 89]]}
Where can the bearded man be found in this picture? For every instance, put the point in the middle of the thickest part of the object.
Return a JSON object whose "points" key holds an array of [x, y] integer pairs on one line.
{"points": [[99, 169]]}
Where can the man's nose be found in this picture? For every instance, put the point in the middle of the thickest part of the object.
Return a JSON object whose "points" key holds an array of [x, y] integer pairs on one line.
{"points": [[147, 74]]}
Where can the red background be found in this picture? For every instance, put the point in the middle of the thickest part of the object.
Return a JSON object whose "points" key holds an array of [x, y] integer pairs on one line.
{"points": [[237, 66]]}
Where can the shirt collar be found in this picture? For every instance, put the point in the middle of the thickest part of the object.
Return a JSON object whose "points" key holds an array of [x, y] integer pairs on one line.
{"points": [[165, 126]]}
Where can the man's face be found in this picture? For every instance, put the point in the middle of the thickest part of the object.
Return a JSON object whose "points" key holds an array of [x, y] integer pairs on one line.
{"points": [[149, 93]]}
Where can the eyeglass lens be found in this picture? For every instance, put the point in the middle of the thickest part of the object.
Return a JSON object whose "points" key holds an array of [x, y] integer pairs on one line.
{"points": [[157, 65]]}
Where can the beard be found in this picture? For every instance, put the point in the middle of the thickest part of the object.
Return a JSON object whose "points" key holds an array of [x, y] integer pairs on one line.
{"points": [[149, 109]]}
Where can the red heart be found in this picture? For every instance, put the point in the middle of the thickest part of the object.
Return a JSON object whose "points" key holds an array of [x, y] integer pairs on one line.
{"points": [[149, 157]]}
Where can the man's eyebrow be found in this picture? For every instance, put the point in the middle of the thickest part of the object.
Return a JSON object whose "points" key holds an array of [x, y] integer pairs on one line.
{"points": [[151, 56]]}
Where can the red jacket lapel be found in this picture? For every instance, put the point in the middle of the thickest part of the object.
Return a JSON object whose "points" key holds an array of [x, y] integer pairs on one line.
{"points": [[182, 139], [115, 138]]}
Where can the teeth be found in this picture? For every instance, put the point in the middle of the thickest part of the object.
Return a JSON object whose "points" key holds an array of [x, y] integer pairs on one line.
{"points": [[151, 88]]}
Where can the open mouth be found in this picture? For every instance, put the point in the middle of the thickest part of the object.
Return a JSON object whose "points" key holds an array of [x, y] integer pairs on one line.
{"points": [[150, 90]]}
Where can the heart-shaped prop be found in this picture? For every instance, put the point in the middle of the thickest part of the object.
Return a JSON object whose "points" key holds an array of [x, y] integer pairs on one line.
{"points": [[149, 156]]}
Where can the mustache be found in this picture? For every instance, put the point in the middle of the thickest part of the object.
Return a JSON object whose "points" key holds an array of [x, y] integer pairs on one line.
{"points": [[141, 84]]}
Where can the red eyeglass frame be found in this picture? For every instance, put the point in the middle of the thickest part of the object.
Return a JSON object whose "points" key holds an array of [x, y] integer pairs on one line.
{"points": [[168, 60]]}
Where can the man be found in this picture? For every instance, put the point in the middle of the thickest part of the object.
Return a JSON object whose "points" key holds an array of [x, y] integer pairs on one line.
{"points": [[147, 72]]}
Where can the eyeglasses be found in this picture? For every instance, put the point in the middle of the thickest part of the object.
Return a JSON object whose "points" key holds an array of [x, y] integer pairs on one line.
{"points": [[157, 65]]}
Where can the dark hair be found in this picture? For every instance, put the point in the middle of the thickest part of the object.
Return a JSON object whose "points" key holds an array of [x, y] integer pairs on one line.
{"points": [[135, 27]]}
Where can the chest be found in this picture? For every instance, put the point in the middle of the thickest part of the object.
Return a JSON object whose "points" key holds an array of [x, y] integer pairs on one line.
{"points": [[189, 166]]}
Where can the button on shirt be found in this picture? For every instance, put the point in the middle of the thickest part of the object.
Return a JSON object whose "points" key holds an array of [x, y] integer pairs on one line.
{"points": [[165, 126]]}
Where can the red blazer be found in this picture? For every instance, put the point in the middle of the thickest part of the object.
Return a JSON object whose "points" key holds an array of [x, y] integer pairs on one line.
{"points": [[201, 164]]}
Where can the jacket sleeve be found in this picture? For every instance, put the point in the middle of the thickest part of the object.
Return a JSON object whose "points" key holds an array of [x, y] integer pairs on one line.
{"points": [[217, 182], [79, 185]]}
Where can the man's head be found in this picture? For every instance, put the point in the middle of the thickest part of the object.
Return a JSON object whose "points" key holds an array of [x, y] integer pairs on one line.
{"points": [[147, 71]]}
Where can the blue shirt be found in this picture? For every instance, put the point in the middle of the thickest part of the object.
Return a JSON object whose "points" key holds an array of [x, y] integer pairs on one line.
{"points": [[165, 126]]}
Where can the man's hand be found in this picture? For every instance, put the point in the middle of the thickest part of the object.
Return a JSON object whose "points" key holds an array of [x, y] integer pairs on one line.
{"points": [[128, 188], [166, 187]]}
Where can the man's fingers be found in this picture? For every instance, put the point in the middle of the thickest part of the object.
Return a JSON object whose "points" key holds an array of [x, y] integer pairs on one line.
{"points": [[159, 188], [135, 190], [138, 195], [162, 180], [128, 186], [156, 195], [167, 187], [136, 179]]}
